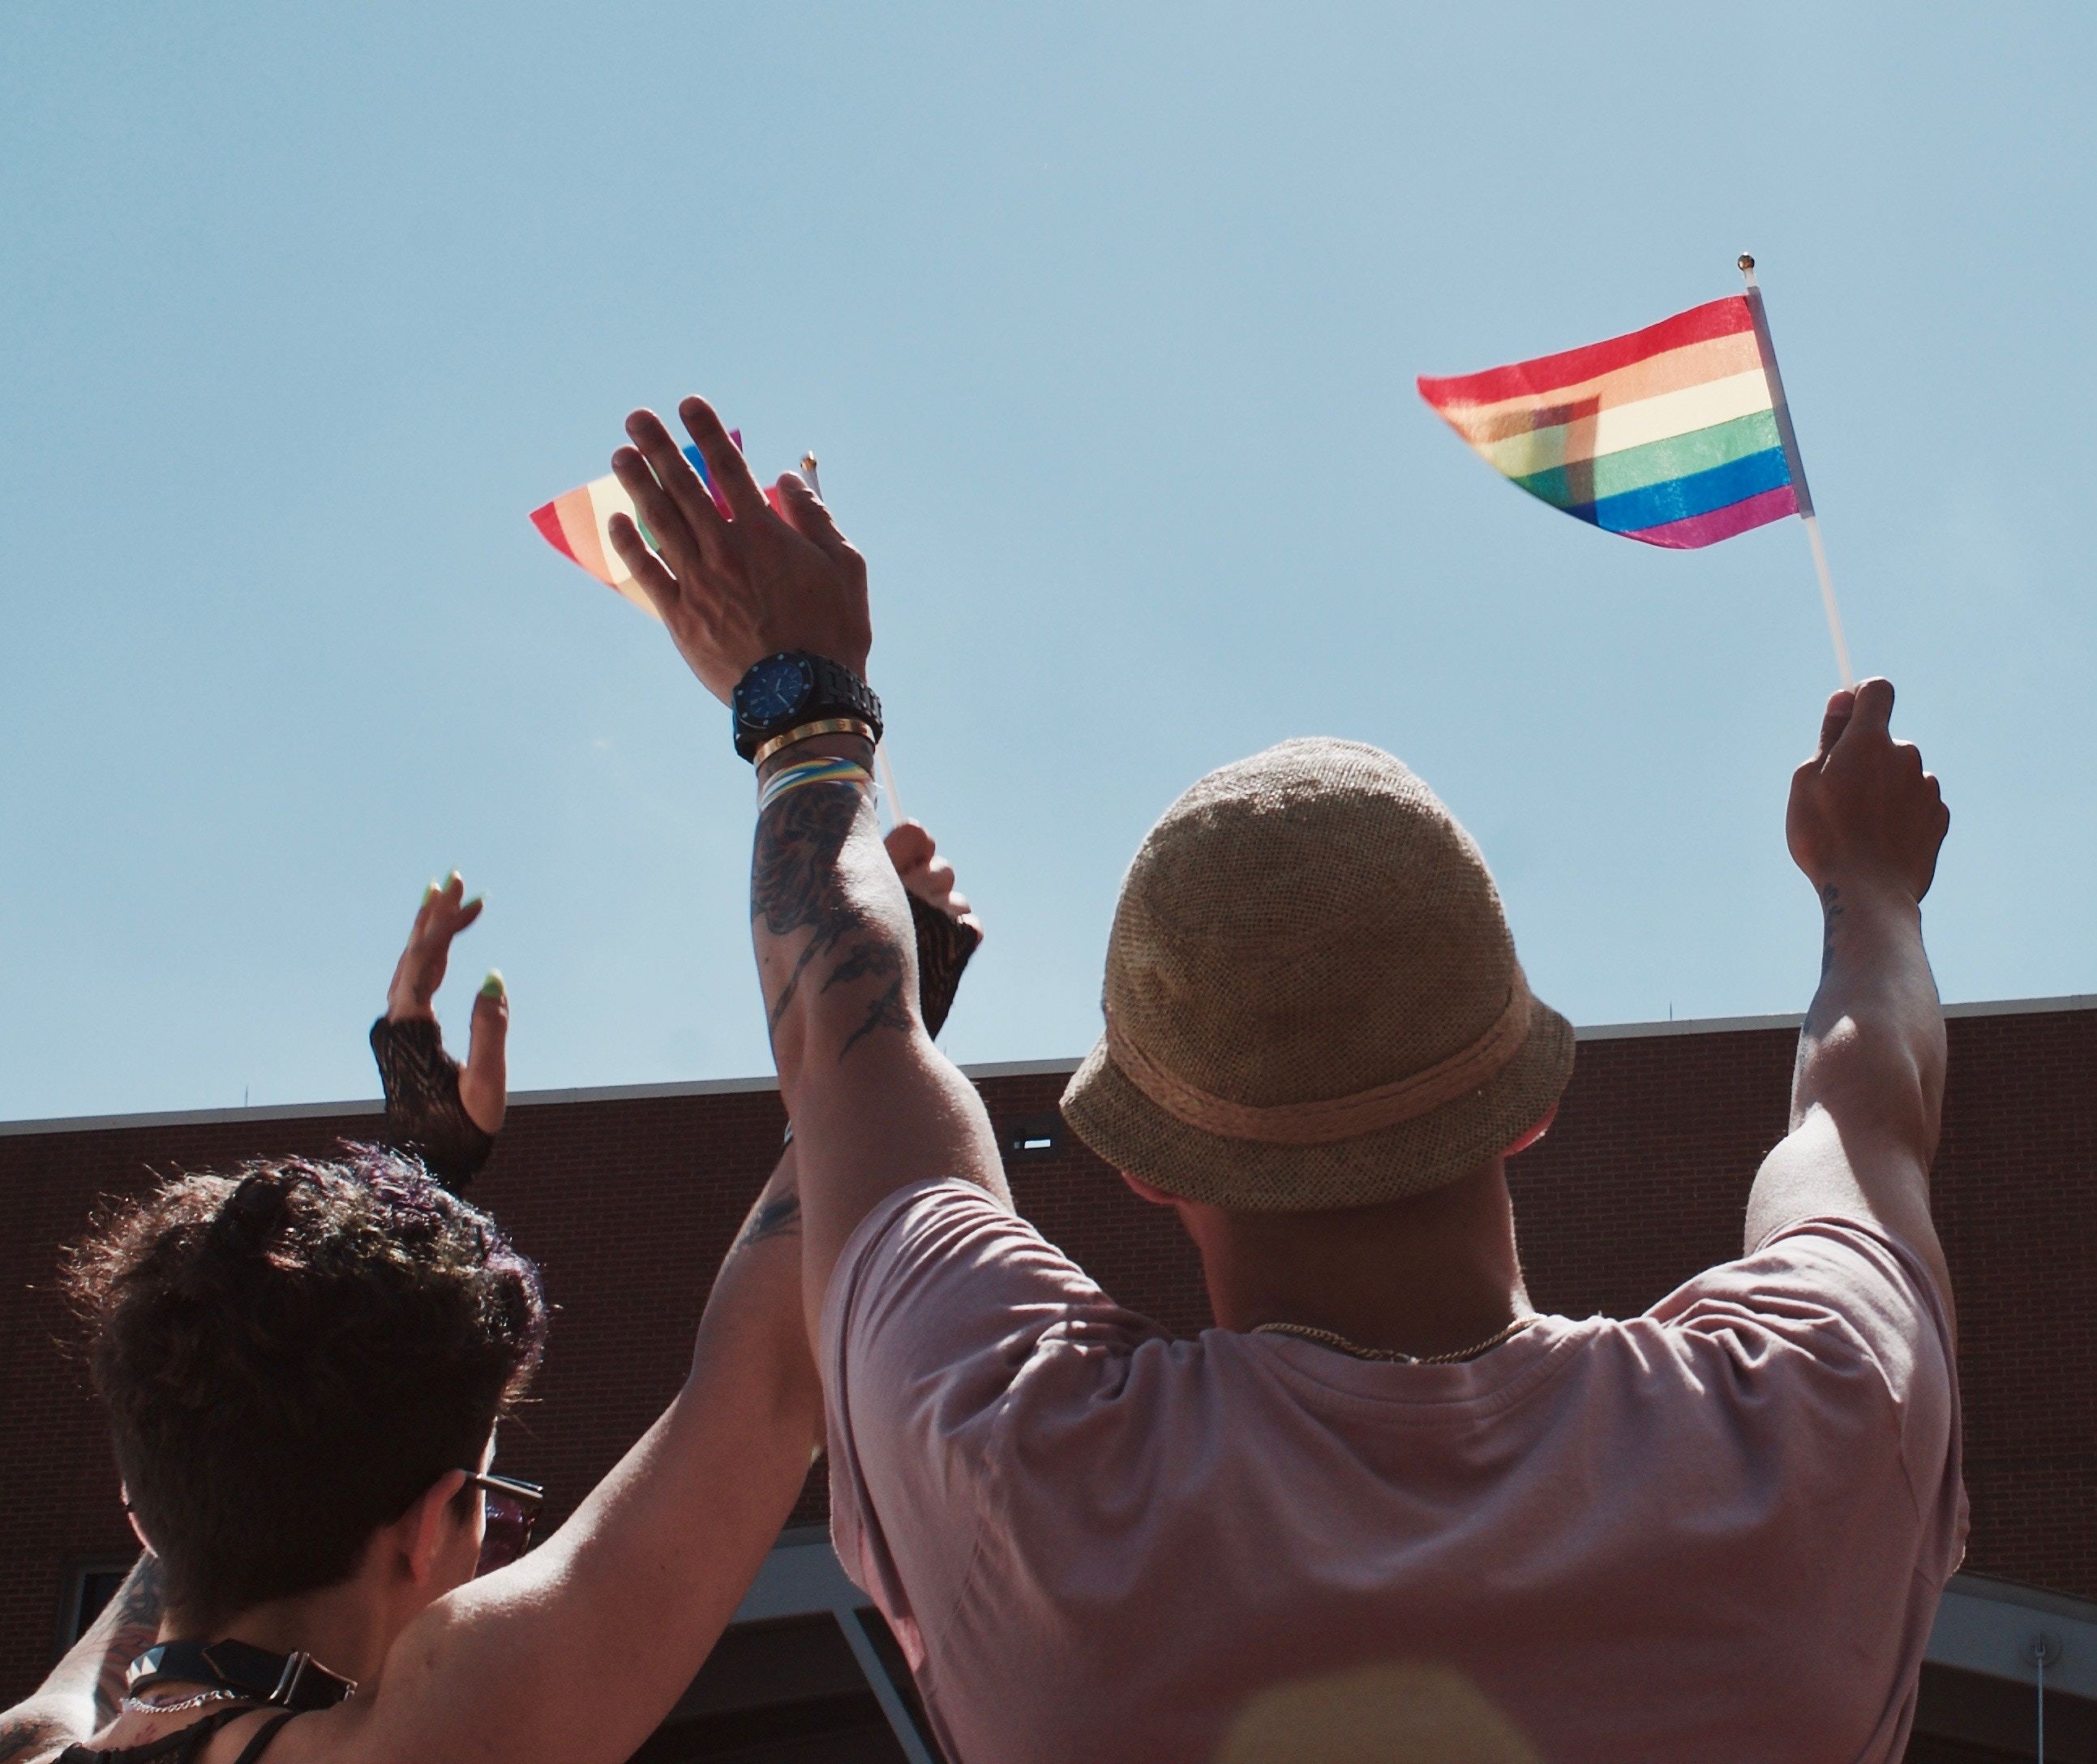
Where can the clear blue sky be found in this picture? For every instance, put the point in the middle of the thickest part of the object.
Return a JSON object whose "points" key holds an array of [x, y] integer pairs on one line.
{"points": [[1104, 321]]}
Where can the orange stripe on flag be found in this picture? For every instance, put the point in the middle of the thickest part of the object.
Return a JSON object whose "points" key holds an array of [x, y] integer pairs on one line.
{"points": [[579, 525], [1672, 370]]}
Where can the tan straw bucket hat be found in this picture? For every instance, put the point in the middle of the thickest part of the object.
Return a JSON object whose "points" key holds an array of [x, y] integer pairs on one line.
{"points": [[1312, 999]]}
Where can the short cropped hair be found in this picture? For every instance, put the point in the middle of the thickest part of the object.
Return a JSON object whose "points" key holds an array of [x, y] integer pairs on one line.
{"points": [[290, 1355]]}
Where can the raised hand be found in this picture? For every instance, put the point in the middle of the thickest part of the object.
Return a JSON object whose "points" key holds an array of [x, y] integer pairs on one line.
{"points": [[773, 573], [1862, 808], [446, 1115]]}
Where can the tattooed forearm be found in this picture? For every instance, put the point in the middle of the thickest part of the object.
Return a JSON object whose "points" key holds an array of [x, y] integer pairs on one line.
{"points": [[794, 880], [885, 961], [800, 882]]}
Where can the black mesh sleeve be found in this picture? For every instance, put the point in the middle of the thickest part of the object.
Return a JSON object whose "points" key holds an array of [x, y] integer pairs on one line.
{"points": [[423, 1112], [945, 945]]}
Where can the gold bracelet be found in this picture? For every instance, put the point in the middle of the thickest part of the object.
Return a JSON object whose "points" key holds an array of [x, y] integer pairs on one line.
{"points": [[830, 725]]}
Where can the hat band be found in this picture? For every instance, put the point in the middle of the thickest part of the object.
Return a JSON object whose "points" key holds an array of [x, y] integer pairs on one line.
{"points": [[1331, 1118]]}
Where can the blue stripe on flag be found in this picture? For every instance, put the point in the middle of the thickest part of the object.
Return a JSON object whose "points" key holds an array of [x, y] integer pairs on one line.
{"points": [[1678, 498]]}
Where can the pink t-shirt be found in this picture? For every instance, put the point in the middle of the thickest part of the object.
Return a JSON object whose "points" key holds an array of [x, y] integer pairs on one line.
{"points": [[1716, 1532]]}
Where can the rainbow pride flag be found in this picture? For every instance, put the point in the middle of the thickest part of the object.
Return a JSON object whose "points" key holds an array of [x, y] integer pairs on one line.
{"points": [[1676, 435], [578, 525]]}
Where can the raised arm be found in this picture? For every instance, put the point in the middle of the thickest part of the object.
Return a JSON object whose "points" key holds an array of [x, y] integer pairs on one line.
{"points": [[1865, 824], [445, 1114], [80, 1694], [574, 1653], [874, 1104]]}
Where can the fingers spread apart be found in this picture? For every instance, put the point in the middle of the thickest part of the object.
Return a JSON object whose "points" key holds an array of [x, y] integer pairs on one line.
{"points": [[642, 564], [725, 465], [676, 508]]}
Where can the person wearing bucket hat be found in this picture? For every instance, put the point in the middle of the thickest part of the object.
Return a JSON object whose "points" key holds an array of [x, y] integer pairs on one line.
{"points": [[1717, 1530], [1312, 1000]]}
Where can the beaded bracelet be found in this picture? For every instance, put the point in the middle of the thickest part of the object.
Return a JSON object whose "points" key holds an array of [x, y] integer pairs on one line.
{"points": [[812, 772]]}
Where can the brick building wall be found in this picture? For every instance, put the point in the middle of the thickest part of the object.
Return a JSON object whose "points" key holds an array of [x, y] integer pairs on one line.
{"points": [[629, 1200]]}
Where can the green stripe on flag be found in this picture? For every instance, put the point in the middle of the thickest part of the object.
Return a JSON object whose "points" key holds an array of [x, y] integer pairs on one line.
{"points": [[1634, 468]]}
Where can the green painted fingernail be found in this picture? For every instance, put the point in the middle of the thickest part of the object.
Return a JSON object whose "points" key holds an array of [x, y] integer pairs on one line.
{"points": [[479, 900], [492, 986], [429, 893]]}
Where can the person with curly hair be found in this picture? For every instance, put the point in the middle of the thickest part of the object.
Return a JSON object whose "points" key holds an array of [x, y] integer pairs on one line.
{"points": [[304, 1362]]}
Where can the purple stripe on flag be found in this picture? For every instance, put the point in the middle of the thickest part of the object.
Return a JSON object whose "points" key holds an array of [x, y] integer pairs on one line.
{"points": [[1721, 523]]}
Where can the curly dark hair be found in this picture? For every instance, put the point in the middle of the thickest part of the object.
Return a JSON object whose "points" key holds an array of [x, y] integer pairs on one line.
{"points": [[290, 1355]]}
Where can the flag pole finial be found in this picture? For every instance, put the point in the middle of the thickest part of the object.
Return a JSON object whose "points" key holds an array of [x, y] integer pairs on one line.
{"points": [[1745, 262]]}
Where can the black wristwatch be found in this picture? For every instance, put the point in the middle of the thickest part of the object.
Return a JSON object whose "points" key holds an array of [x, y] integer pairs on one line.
{"points": [[787, 690]]}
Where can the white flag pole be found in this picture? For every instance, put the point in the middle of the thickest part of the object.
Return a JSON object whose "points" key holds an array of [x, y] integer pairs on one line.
{"points": [[1785, 434], [882, 770], [887, 774]]}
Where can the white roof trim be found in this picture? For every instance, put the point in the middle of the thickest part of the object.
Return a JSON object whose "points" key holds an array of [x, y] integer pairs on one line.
{"points": [[1721, 1025], [716, 1087], [1986, 1625]]}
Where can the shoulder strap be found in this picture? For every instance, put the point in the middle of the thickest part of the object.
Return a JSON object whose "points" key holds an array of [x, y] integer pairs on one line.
{"points": [[260, 1743], [183, 1742]]}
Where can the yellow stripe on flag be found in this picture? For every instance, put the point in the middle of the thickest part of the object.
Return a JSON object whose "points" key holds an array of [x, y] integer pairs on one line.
{"points": [[1671, 371], [1615, 427]]}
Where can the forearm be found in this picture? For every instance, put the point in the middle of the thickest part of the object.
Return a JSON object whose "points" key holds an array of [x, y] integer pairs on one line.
{"points": [[81, 1693], [836, 951], [577, 1651], [1868, 1083], [1871, 1051], [874, 1104]]}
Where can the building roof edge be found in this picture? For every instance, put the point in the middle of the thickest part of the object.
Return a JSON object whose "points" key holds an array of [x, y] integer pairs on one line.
{"points": [[715, 1087]]}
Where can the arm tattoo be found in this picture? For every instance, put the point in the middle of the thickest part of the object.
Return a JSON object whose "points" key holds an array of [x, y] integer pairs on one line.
{"points": [[796, 884], [26, 1736], [886, 1012], [1832, 911], [778, 1217], [90, 1679], [134, 1619]]}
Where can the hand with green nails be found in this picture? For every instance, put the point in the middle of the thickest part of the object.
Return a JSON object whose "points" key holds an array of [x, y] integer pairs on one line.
{"points": [[448, 1114]]}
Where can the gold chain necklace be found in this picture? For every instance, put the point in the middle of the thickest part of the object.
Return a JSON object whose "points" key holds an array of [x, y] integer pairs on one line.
{"points": [[1333, 1338]]}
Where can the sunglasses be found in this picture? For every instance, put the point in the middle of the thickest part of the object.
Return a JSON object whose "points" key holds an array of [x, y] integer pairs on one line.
{"points": [[511, 1508]]}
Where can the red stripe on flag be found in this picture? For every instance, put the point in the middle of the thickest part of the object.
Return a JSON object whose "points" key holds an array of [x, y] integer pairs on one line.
{"points": [[1700, 530], [548, 523], [1717, 318]]}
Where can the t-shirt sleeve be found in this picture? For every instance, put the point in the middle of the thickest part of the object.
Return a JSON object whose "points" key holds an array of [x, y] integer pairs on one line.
{"points": [[1850, 1321], [938, 1308]]}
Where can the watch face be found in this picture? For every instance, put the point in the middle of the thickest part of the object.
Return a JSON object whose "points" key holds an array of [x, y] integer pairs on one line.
{"points": [[774, 689]]}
